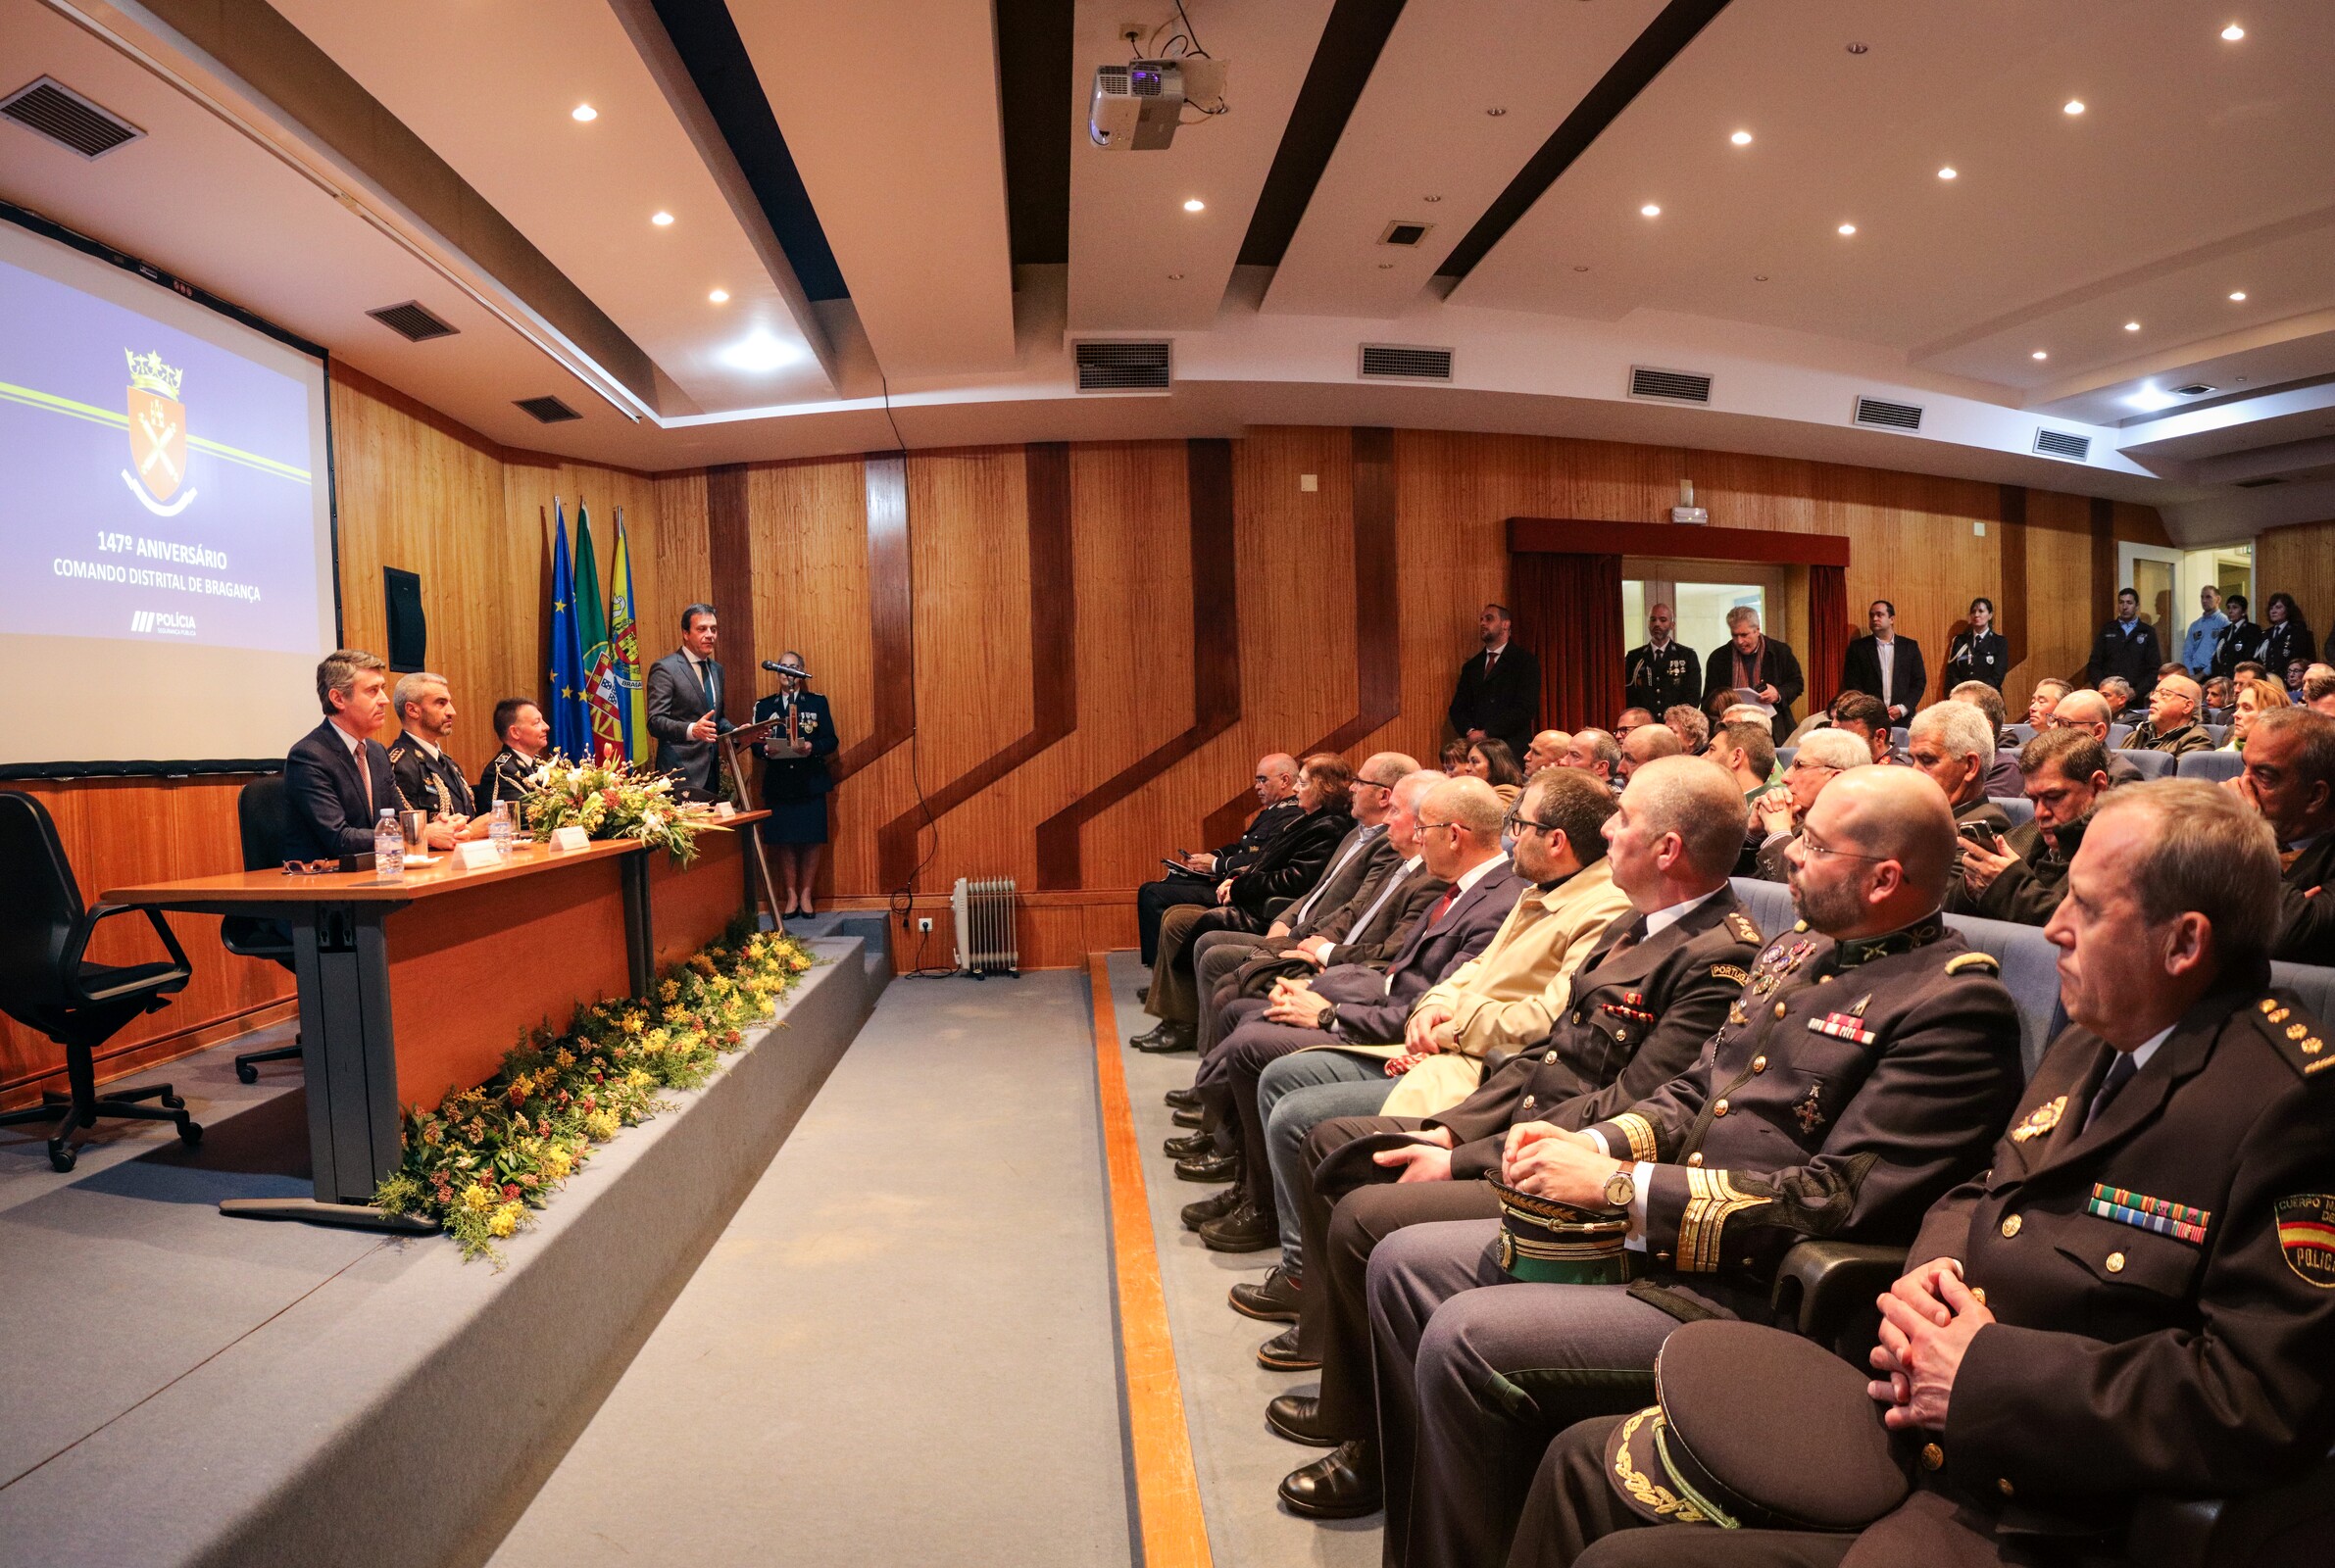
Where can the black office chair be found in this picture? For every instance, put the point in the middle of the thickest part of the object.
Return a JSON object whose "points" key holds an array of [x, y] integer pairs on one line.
{"points": [[46, 984], [263, 819]]}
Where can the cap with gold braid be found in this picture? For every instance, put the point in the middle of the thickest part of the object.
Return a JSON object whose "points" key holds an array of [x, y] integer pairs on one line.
{"points": [[1547, 1243]]}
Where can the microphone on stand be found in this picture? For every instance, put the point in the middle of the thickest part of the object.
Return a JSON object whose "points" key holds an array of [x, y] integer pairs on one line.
{"points": [[776, 667]]}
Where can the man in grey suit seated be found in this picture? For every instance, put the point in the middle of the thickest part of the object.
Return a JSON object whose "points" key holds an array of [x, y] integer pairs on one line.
{"points": [[685, 695]]}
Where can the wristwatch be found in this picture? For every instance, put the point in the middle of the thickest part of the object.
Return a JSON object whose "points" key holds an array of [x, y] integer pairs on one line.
{"points": [[1621, 1189]]}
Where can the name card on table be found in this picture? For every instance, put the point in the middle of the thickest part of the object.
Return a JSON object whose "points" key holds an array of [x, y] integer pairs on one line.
{"points": [[723, 809], [566, 839], [476, 854]]}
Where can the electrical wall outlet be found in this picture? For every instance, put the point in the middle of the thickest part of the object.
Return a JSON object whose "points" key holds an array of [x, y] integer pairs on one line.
{"points": [[924, 924]]}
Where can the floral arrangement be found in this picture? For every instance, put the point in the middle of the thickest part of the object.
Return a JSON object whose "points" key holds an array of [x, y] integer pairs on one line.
{"points": [[612, 799], [486, 1159]]}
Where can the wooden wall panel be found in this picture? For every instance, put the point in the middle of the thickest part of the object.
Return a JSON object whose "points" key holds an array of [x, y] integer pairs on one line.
{"points": [[2299, 559]]}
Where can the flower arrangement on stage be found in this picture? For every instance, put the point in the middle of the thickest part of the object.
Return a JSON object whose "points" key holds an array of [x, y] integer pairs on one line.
{"points": [[612, 799], [486, 1159]]}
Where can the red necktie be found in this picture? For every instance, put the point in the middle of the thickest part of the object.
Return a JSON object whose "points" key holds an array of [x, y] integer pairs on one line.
{"points": [[1441, 905]]}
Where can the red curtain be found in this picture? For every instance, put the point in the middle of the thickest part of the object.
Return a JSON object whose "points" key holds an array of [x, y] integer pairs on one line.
{"points": [[1569, 613], [1828, 633]]}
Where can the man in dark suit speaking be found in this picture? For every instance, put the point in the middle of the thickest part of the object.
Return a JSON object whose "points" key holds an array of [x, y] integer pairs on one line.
{"points": [[1886, 665], [685, 693], [1499, 690], [336, 778]]}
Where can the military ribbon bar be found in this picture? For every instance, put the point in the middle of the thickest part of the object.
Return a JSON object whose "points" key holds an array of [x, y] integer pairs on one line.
{"points": [[1843, 1026], [2156, 1215]]}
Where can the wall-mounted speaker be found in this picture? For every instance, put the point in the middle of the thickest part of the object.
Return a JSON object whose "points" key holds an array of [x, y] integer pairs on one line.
{"points": [[409, 630]]}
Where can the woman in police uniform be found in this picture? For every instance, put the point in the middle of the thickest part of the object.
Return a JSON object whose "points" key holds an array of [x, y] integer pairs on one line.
{"points": [[795, 780], [1981, 653]]}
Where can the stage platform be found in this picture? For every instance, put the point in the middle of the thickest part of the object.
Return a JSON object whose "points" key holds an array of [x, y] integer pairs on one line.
{"points": [[181, 1387]]}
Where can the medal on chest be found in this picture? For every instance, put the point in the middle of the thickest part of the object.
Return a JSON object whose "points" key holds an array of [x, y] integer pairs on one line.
{"points": [[2040, 1122], [1777, 964]]}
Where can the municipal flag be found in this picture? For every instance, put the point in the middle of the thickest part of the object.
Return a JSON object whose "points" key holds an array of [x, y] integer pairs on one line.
{"points": [[623, 643], [606, 730], [571, 728]]}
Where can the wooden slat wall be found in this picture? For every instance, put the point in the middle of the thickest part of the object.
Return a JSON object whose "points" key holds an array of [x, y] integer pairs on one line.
{"points": [[419, 492], [2301, 561]]}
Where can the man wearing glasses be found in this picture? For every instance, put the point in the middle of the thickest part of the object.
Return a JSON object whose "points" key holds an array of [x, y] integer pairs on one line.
{"points": [[1864, 1070], [1824, 756], [2067, 773], [1276, 793], [2087, 712]]}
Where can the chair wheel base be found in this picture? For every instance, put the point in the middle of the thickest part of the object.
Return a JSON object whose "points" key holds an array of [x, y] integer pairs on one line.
{"points": [[246, 1073]]}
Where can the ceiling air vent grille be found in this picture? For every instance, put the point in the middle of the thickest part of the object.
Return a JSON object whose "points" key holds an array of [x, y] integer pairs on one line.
{"points": [[412, 322], [549, 410], [2063, 444], [57, 112], [1123, 366], [2196, 389], [1671, 386], [1886, 416], [1395, 362]]}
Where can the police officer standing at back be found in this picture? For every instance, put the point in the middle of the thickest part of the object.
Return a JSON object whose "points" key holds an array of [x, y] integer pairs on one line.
{"points": [[2135, 1299], [1981, 653], [794, 778], [1663, 673]]}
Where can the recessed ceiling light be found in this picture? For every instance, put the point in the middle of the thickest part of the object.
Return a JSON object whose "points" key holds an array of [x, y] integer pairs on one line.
{"points": [[1193, 204], [2238, 295], [759, 350], [1741, 138], [1431, 199], [2132, 327], [1847, 229], [2074, 106], [1495, 113], [1175, 277], [662, 220], [2233, 32], [1650, 211], [719, 296], [1580, 268], [1856, 48], [585, 112], [1758, 278], [2039, 355], [1948, 173], [1386, 267]]}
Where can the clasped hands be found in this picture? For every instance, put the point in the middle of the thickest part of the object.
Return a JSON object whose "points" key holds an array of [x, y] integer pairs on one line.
{"points": [[1929, 1319], [1293, 1001], [1549, 1161]]}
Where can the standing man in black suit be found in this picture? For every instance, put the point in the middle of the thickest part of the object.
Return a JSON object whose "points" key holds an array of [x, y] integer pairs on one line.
{"points": [[1663, 672], [1756, 662], [336, 777], [1885, 664], [685, 689], [1499, 690]]}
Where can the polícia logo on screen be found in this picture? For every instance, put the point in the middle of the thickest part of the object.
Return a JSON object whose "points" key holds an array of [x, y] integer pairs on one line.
{"points": [[161, 623], [157, 435]]}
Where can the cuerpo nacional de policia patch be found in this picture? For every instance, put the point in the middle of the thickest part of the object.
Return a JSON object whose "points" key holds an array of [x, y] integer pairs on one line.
{"points": [[2307, 1236]]}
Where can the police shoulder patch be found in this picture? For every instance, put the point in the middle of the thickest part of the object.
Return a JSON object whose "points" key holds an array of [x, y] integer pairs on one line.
{"points": [[1744, 930], [1728, 972], [2295, 1034], [1983, 962], [2307, 1236]]}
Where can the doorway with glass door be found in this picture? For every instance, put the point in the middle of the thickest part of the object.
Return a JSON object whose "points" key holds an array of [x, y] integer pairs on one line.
{"points": [[1700, 593]]}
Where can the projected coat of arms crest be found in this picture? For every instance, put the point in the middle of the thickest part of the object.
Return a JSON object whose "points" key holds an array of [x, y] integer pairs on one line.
{"points": [[157, 435]]}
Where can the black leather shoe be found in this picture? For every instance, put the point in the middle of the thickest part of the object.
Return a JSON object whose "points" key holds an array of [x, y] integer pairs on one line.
{"points": [[1183, 1099], [1207, 1208], [1168, 1037], [1187, 1118], [1150, 1037], [1298, 1418], [1208, 1169], [1273, 1300], [1342, 1485], [1281, 1354], [1190, 1146], [1247, 1229], [1143, 992]]}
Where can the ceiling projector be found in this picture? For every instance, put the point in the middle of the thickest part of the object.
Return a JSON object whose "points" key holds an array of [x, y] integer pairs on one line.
{"points": [[1136, 107]]}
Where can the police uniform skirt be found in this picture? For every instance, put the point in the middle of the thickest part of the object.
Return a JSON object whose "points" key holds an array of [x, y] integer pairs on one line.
{"points": [[796, 796]]}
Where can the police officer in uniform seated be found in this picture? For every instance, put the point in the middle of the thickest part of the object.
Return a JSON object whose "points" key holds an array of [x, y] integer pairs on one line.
{"points": [[524, 733], [795, 780], [428, 780], [1276, 793], [2067, 776], [1862, 1073], [1662, 672], [2290, 778], [336, 777], [2135, 1298]]}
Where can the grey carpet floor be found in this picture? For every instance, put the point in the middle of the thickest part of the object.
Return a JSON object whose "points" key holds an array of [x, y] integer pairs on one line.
{"points": [[902, 1350], [1238, 1458]]}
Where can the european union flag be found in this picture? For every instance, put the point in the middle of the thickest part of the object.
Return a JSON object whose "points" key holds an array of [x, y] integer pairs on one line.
{"points": [[570, 721]]}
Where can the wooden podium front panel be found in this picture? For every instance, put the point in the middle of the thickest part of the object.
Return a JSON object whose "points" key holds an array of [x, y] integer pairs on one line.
{"points": [[469, 975], [688, 908]]}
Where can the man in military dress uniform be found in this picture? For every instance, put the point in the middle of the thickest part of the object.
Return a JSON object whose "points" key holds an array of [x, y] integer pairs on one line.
{"points": [[2137, 1296], [521, 726], [1663, 673], [1862, 1073], [1276, 794], [428, 780]]}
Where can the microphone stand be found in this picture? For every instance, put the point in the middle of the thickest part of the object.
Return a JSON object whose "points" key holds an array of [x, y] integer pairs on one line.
{"points": [[737, 777]]}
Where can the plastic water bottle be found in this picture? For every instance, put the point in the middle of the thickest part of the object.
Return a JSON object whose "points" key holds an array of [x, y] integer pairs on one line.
{"points": [[388, 846], [499, 829]]}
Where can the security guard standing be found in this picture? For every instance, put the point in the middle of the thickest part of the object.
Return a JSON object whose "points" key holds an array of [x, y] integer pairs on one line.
{"points": [[2136, 1298], [427, 778], [1862, 1073], [1663, 674], [795, 780], [523, 732]]}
